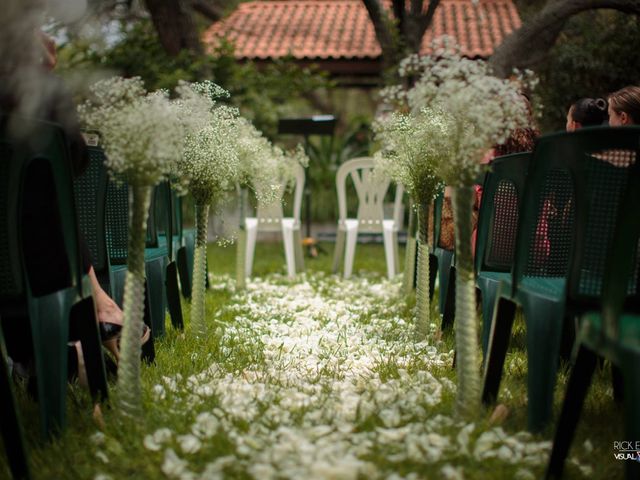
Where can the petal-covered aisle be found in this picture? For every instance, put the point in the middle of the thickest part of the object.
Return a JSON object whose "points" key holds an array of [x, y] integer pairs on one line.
{"points": [[324, 378]]}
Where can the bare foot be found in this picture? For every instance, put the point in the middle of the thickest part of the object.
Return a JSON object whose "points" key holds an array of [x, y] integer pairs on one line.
{"points": [[499, 415]]}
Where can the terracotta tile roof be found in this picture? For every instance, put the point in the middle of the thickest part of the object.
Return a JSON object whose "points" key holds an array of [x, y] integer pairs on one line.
{"points": [[341, 29]]}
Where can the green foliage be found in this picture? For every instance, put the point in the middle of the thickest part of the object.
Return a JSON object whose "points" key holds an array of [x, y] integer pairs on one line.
{"points": [[596, 54], [326, 154], [263, 93]]}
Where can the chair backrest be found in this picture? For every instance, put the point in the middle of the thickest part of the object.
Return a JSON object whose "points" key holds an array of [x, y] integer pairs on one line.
{"points": [[270, 216], [90, 191], [164, 216], [502, 194], [572, 198], [438, 203], [117, 221], [45, 142], [371, 192], [621, 273]]}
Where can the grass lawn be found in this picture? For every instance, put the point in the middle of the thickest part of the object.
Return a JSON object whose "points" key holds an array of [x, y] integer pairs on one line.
{"points": [[317, 378]]}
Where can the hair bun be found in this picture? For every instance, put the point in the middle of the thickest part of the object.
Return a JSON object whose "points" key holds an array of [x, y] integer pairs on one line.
{"points": [[601, 103]]}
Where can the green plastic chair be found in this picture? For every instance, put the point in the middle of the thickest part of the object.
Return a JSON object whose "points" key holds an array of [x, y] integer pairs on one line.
{"points": [[612, 333], [165, 230], [571, 199], [60, 316], [496, 235], [184, 262], [10, 424], [90, 193]]}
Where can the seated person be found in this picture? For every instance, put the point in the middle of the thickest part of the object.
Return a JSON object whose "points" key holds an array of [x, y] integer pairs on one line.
{"points": [[586, 112]]}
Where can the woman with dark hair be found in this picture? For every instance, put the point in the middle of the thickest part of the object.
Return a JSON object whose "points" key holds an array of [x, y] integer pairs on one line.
{"points": [[586, 112], [624, 106]]}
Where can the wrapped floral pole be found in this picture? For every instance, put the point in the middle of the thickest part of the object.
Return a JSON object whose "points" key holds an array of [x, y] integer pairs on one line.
{"points": [[200, 271], [409, 158], [141, 137], [422, 287], [209, 166], [129, 387], [410, 253], [241, 246], [475, 111], [466, 323]]}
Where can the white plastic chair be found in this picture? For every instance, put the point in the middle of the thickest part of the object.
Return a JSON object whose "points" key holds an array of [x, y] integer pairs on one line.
{"points": [[270, 218], [370, 217]]}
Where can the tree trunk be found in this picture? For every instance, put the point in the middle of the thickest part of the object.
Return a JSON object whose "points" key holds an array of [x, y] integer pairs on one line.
{"points": [[173, 20], [198, 325], [399, 31], [211, 9], [384, 29], [466, 326], [529, 45], [129, 387]]}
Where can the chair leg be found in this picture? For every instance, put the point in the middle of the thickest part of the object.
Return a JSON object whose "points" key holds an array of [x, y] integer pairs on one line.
{"points": [[338, 254], [155, 272], [544, 333], [449, 311], [445, 258], [297, 246], [500, 335], [488, 290], [396, 252], [10, 427], [352, 238], [173, 295], [183, 272], [389, 253], [84, 315], [148, 349], [287, 238], [630, 366], [577, 388], [252, 233], [433, 272], [50, 334]]}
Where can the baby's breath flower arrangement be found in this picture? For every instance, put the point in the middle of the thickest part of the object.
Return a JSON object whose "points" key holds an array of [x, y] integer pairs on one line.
{"points": [[477, 110], [142, 138], [411, 151], [210, 166]]}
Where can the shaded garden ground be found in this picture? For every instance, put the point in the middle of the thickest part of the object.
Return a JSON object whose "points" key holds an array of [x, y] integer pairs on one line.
{"points": [[316, 378]]}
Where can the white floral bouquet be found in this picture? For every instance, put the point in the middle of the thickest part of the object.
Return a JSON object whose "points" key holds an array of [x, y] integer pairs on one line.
{"points": [[209, 163], [413, 145], [480, 109]]}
